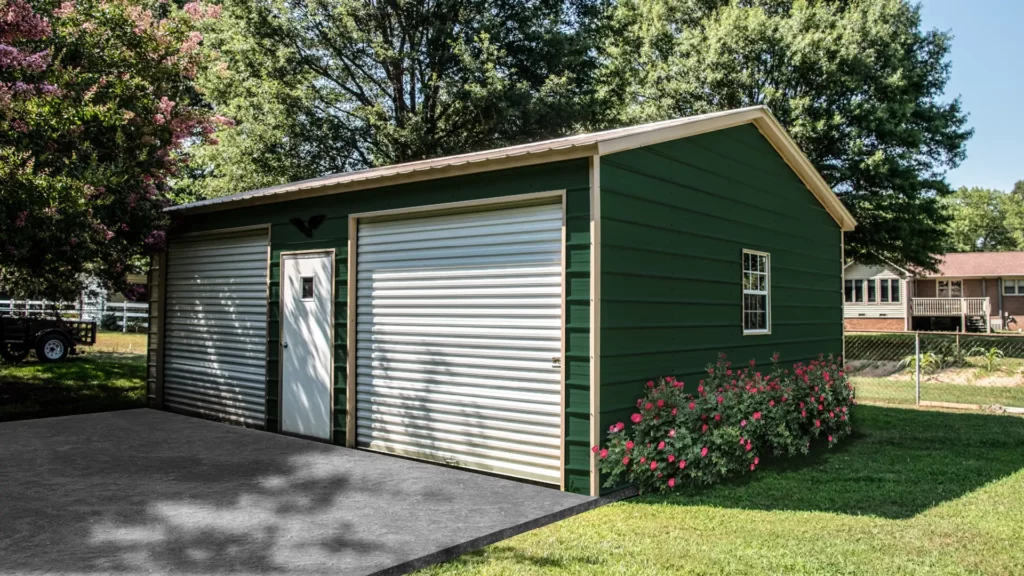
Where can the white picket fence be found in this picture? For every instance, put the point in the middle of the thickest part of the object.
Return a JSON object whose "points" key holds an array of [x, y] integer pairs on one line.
{"points": [[124, 312]]}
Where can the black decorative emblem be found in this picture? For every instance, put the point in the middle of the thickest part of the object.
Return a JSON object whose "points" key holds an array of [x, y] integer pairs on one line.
{"points": [[307, 226]]}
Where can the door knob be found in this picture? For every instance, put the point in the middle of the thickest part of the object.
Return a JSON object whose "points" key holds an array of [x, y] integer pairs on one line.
{"points": [[285, 345]]}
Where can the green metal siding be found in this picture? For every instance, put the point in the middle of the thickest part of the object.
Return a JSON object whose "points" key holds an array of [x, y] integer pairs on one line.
{"points": [[675, 218], [572, 176]]}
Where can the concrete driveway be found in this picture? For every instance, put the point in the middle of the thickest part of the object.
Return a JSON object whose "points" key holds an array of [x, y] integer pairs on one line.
{"points": [[148, 492]]}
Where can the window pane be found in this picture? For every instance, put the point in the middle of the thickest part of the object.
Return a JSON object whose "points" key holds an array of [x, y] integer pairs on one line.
{"points": [[942, 289], [858, 290], [762, 282], [956, 289], [895, 290], [883, 288], [1010, 287], [762, 323], [307, 287], [871, 290], [762, 264], [848, 290]]}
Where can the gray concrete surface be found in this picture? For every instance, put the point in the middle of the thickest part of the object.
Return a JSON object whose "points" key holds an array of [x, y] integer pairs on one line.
{"points": [[148, 492]]}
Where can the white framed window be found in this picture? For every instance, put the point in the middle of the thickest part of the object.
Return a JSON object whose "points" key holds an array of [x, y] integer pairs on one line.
{"points": [[756, 292], [1013, 286], [949, 288], [889, 290]]}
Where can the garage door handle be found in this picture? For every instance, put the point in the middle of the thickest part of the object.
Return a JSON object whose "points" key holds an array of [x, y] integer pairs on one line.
{"points": [[285, 345]]}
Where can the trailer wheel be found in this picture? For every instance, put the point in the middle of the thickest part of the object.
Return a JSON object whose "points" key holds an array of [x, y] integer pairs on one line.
{"points": [[52, 348], [13, 353]]}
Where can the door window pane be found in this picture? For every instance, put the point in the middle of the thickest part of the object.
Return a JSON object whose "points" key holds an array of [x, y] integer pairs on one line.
{"points": [[307, 287]]}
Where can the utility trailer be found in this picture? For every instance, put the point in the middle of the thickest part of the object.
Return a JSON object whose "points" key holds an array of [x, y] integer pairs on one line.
{"points": [[52, 338]]}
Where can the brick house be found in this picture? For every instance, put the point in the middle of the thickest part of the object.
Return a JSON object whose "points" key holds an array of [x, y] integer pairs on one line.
{"points": [[972, 291]]}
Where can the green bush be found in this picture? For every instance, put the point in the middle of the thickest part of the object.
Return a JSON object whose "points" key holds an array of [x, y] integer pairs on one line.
{"points": [[111, 323], [737, 417]]}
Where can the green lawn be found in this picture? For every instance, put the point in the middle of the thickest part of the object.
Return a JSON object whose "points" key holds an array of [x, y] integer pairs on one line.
{"points": [[88, 383], [888, 391], [913, 492]]}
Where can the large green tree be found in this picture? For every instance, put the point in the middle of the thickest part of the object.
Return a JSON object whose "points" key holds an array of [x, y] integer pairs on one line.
{"points": [[858, 83], [96, 104], [322, 86], [986, 220]]}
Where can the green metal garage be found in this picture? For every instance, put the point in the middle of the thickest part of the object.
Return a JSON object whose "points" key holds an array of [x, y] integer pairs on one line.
{"points": [[499, 310]]}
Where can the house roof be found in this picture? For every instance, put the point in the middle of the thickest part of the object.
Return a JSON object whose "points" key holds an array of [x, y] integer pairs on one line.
{"points": [[579, 146], [979, 264]]}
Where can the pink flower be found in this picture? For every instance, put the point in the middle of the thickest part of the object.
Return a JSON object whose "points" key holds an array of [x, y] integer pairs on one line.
{"points": [[594, 449], [803, 413], [749, 446], [692, 406], [650, 383], [704, 452], [704, 428], [661, 403], [718, 417], [643, 459], [661, 445], [653, 464], [625, 461], [604, 453], [673, 411], [817, 423], [672, 433], [720, 399], [682, 464], [629, 444], [743, 441], [771, 403], [752, 467], [648, 406], [757, 415], [671, 458], [743, 423], [700, 389], [752, 362], [829, 438], [636, 418], [671, 482]]}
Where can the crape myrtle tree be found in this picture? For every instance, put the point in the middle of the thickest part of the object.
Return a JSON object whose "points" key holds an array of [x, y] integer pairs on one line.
{"points": [[857, 83], [96, 105], [324, 86]]}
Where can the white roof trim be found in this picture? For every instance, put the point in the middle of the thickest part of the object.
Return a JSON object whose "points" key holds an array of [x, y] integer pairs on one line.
{"points": [[884, 263], [579, 146]]}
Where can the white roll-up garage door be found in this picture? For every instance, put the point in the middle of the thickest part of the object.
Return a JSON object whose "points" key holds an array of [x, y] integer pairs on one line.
{"points": [[459, 339], [215, 351]]}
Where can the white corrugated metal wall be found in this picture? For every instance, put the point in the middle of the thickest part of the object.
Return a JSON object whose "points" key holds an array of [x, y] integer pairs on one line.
{"points": [[215, 353], [459, 339]]}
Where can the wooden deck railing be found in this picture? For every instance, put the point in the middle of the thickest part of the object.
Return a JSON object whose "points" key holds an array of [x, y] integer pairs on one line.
{"points": [[951, 307]]}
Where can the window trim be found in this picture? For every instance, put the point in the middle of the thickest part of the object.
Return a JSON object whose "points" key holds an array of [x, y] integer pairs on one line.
{"points": [[767, 294], [950, 280], [1017, 281]]}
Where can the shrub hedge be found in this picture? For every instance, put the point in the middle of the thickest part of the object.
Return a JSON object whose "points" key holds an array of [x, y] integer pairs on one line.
{"points": [[737, 417]]}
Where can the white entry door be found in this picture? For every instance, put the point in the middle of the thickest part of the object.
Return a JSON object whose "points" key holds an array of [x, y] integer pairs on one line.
{"points": [[306, 347]]}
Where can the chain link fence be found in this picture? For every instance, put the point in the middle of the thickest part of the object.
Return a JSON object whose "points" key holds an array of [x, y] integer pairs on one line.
{"points": [[981, 371]]}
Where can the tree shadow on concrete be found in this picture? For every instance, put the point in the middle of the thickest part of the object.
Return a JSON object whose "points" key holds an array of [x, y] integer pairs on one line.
{"points": [[899, 463]]}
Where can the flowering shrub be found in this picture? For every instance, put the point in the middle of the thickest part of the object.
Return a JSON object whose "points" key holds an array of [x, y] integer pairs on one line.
{"points": [[737, 417]]}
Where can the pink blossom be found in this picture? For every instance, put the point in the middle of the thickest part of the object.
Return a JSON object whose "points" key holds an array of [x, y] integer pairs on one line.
{"points": [[629, 444], [671, 458], [817, 423], [829, 438], [704, 452], [604, 453], [757, 460], [661, 403], [636, 418], [672, 433], [654, 464], [757, 415], [661, 445], [704, 428], [692, 406], [625, 461], [648, 406], [595, 449], [720, 399], [682, 464], [671, 482]]}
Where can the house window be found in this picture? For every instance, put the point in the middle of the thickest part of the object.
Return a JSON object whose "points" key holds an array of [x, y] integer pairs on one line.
{"points": [[872, 291], [848, 291], [756, 288], [889, 290], [1013, 286], [949, 288]]}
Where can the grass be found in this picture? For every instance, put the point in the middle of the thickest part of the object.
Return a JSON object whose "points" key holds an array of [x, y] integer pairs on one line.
{"points": [[889, 391], [93, 382], [913, 492], [118, 343]]}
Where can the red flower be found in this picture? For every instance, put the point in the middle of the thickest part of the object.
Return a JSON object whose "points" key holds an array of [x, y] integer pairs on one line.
{"points": [[636, 418], [653, 464], [720, 399], [718, 417], [704, 428], [692, 406], [817, 423], [703, 452], [650, 383], [594, 449], [648, 406], [625, 461], [752, 362], [661, 403], [671, 458], [671, 482], [629, 444], [803, 413], [682, 464], [661, 445], [604, 453], [749, 446], [757, 415], [673, 411], [700, 389]]}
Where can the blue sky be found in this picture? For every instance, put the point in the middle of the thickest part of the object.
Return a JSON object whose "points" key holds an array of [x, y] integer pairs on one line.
{"points": [[988, 74]]}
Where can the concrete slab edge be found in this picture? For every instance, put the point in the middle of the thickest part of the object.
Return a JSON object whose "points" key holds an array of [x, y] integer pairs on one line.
{"points": [[503, 534]]}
